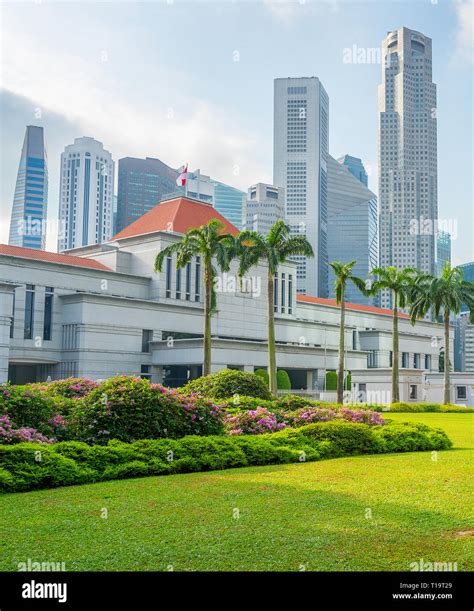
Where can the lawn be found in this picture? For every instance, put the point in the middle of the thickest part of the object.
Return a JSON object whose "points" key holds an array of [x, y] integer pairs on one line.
{"points": [[362, 513]]}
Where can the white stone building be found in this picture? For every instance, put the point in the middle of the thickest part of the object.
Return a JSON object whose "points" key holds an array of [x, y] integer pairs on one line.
{"points": [[86, 194], [101, 310]]}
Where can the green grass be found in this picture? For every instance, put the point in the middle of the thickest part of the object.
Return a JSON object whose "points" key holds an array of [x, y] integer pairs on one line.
{"points": [[362, 513]]}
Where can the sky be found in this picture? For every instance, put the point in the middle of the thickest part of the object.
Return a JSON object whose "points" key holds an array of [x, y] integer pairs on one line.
{"points": [[193, 82]]}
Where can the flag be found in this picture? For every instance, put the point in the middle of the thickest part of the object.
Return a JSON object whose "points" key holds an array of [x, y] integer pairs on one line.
{"points": [[183, 176]]}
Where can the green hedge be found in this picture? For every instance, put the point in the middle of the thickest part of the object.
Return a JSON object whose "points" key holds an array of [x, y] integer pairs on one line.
{"points": [[424, 407], [29, 466], [228, 383]]}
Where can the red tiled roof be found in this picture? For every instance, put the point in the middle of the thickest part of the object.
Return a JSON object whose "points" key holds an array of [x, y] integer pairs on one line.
{"points": [[177, 215], [51, 257], [349, 306]]}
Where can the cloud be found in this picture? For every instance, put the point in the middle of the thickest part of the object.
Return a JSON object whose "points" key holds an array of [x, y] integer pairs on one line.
{"points": [[465, 31], [286, 11]]}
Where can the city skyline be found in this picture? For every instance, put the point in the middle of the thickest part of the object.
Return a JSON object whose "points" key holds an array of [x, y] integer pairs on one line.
{"points": [[246, 142]]}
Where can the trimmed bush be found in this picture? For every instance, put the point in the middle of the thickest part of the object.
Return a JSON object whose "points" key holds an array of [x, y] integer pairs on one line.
{"points": [[262, 373], [331, 380], [424, 407], [228, 383], [283, 380], [28, 466], [129, 408]]}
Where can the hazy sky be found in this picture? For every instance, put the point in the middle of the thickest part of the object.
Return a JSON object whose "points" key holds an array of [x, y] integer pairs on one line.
{"points": [[193, 82]]}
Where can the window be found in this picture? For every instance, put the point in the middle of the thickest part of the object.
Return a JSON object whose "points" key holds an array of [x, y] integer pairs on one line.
{"points": [[29, 311], [428, 362], [178, 283], [405, 359], [145, 372], [416, 361], [461, 392], [168, 276], [12, 323], [275, 294], [147, 337], [283, 296], [290, 293], [413, 391], [48, 313], [390, 359], [188, 282], [197, 288]]}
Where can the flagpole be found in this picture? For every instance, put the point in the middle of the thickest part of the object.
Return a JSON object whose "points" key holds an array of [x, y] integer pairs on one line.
{"points": [[186, 183]]}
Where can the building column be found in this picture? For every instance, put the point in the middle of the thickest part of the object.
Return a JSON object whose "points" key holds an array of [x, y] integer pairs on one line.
{"points": [[312, 379], [6, 308]]}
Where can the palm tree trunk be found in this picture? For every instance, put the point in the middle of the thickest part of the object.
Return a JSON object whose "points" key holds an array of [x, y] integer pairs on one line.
{"points": [[272, 371], [447, 389], [395, 368], [207, 318], [340, 372]]}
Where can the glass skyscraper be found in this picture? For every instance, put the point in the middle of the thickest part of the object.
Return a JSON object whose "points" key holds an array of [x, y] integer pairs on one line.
{"points": [[30, 202], [352, 228], [443, 251], [229, 201], [142, 183], [355, 167]]}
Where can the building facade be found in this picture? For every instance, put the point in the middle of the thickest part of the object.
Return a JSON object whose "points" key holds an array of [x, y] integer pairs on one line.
{"points": [[407, 154], [30, 201], [300, 154], [355, 167], [352, 227], [101, 310], [141, 185], [86, 194], [230, 202], [265, 204], [468, 275]]}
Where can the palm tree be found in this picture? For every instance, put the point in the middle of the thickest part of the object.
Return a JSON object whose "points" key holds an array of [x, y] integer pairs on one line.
{"points": [[447, 293], [401, 285], [211, 243], [274, 249], [343, 275]]}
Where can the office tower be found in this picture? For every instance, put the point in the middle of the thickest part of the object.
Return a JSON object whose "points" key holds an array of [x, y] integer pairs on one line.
{"points": [[30, 202], [352, 227], [86, 194], [142, 183], [463, 343], [468, 275], [407, 154], [443, 250], [265, 204], [355, 167], [227, 200], [300, 152], [230, 202]]}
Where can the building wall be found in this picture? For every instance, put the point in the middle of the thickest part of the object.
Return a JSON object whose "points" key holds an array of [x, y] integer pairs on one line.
{"points": [[300, 153]]}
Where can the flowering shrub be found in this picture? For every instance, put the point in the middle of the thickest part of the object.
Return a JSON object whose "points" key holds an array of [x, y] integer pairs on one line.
{"points": [[9, 434], [70, 387], [253, 422], [25, 407], [130, 408], [307, 415]]}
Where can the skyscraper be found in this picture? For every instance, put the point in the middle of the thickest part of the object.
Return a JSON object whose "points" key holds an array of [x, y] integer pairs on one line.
{"points": [[352, 227], [264, 206], [355, 167], [30, 202], [86, 194], [468, 275], [141, 185], [300, 152], [407, 154], [443, 250], [230, 202]]}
